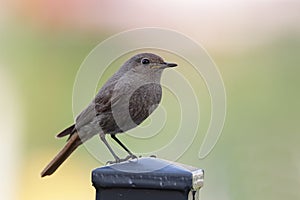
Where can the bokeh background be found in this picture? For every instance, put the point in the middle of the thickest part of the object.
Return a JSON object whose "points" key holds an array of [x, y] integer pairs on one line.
{"points": [[256, 45]]}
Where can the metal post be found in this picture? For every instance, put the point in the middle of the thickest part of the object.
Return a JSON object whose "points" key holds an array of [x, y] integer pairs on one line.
{"points": [[147, 179]]}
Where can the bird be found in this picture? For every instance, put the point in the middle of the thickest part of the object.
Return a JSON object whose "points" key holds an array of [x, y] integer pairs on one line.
{"points": [[128, 97]]}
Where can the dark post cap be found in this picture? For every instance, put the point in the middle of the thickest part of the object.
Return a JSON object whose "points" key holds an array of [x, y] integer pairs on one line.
{"points": [[146, 174]]}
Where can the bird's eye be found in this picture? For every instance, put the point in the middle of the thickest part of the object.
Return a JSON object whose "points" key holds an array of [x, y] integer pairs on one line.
{"points": [[145, 61]]}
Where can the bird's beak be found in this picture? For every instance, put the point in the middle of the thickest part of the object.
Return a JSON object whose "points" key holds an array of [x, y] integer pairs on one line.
{"points": [[163, 65], [166, 65]]}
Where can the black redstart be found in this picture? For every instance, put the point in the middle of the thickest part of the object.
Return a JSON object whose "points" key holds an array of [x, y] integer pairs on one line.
{"points": [[124, 102]]}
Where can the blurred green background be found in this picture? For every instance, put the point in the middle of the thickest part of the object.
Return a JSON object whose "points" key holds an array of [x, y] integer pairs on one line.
{"points": [[255, 44]]}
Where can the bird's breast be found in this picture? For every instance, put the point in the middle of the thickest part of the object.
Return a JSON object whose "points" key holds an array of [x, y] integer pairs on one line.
{"points": [[132, 107], [144, 101]]}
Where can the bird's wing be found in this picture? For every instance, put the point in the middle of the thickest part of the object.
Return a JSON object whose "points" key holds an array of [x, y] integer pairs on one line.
{"points": [[107, 100], [86, 116], [89, 114], [118, 100]]}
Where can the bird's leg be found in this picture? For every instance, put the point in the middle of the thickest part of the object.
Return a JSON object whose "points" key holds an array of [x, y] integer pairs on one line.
{"points": [[131, 155], [102, 137]]}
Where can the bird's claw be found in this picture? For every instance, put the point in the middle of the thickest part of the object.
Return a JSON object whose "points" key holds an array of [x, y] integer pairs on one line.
{"points": [[131, 157], [118, 160], [112, 162]]}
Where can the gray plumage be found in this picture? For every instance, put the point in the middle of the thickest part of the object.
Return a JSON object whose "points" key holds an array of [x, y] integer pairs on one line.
{"points": [[123, 102]]}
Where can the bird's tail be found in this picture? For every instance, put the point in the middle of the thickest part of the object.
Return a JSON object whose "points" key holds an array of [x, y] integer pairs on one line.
{"points": [[72, 143]]}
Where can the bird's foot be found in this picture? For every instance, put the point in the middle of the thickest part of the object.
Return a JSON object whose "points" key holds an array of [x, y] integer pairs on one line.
{"points": [[112, 162], [118, 160], [131, 157]]}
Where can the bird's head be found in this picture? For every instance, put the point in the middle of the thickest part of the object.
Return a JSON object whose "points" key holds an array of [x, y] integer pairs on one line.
{"points": [[147, 63]]}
